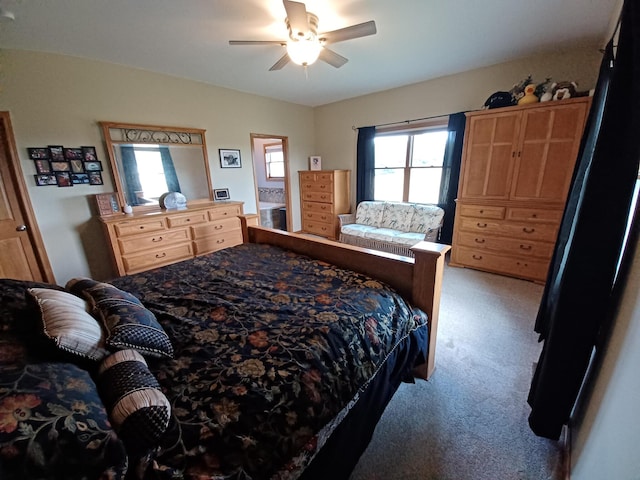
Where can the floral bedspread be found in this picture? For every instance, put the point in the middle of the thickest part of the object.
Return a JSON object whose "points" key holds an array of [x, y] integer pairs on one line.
{"points": [[269, 348]]}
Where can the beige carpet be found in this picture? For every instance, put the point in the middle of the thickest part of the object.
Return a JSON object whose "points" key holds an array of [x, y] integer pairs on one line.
{"points": [[469, 422]]}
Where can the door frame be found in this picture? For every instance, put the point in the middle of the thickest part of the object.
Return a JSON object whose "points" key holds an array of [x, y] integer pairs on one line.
{"points": [[17, 183], [287, 185]]}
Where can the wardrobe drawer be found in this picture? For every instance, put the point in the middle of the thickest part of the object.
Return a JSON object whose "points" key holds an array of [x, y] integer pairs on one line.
{"points": [[224, 212], [482, 211], [505, 245], [511, 229], [311, 215], [322, 197], [138, 226], [317, 186], [216, 227], [138, 243], [534, 215], [217, 242], [317, 207], [318, 228], [157, 258], [521, 267], [188, 219]]}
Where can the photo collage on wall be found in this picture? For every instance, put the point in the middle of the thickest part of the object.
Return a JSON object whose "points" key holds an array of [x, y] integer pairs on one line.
{"points": [[66, 167]]}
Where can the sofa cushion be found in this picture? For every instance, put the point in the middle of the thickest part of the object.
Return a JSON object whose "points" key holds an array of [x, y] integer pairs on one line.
{"points": [[356, 229], [426, 218], [370, 213], [397, 216], [394, 236]]}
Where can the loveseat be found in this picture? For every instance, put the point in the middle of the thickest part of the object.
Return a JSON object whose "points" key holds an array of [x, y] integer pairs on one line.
{"points": [[392, 227]]}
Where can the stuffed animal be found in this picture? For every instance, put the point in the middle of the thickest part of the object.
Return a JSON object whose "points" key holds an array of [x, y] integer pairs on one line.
{"points": [[529, 95], [562, 91]]}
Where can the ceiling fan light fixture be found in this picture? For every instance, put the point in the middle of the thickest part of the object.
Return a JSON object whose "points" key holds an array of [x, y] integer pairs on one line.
{"points": [[304, 51]]}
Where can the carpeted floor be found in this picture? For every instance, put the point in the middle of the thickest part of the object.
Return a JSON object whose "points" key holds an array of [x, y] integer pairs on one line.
{"points": [[469, 422]]}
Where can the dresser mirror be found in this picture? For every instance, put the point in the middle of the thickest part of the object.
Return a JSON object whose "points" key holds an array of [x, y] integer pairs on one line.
{"points": [[150, 160]]}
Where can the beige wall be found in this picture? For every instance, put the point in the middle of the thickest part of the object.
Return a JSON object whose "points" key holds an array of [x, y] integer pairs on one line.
{"points": [[58, 100], [336, 139]]}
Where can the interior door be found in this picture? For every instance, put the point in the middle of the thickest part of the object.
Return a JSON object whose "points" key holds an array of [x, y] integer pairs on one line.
{"points": [[22, 253]]}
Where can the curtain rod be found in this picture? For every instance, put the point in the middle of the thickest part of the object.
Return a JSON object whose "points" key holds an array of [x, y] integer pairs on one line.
{"points": [[353, 127]]}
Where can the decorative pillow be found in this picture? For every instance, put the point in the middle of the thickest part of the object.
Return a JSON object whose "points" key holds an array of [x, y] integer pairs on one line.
{"points": [[137, 407], [54, 425], [128, 323], [68, 324]]}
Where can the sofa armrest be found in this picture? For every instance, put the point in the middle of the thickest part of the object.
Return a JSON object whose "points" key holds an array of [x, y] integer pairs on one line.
{"points": [[346, 219]]}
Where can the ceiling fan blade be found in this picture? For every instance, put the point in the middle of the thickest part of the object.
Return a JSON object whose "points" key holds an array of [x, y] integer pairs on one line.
{"points": [[280, 63], [332, 58], [347, 33], [258, 42], [297, 16]]}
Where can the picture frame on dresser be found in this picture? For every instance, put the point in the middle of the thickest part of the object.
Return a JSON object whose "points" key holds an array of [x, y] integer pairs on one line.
{"points": [[221, 194], [106, 203], [315, 163]]}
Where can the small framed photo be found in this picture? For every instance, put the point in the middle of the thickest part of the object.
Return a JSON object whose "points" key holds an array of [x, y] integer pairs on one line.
{"points": [[95, 178], [80, 178], [94, 166], [77, 166], [64, 179], [230, 158], [60, 166], [56, 152], [44, 180], [42, 166], [38, 153], [72, 153], [89, 154], [221, 194], [107, 203], [315, 163]]}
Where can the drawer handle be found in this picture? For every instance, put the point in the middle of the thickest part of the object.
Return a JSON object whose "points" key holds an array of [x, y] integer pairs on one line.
{"points": [[156, 239], [220, 241], [323, 196], [528, 230], [162, 255], [323, 207], [479, 240], [525, 247], [225, 213], [476, 257], [141, 227], [534, 215], [521, 264], [481, 211], [323, 186], [481, 225], [187, 220], [218, 227]]}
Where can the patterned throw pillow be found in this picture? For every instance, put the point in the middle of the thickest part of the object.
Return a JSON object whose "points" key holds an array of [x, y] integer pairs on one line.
{"points": [[67, 323], [138, 409], [128, 323]]}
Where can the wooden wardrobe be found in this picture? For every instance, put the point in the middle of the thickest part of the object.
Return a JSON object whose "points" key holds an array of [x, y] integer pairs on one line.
{"points": [[517, 166]]}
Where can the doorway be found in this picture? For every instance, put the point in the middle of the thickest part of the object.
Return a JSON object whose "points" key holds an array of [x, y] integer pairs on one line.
{"points": [[270, 155]]}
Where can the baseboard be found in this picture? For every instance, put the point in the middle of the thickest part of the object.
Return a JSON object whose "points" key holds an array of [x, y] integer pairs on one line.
{"points": [[565, 440]]}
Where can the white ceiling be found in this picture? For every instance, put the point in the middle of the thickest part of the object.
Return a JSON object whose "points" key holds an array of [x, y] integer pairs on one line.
{"points": [[417, 40]]}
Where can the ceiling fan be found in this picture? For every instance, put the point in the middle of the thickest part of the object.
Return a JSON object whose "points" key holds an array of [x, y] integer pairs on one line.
{"points": [[305, 45]]}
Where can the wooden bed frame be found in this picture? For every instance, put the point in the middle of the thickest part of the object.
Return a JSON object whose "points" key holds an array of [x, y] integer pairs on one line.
{"points": [[419, 279]]}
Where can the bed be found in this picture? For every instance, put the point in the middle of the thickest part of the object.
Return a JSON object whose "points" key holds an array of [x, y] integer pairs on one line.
{"points": [[282, 374]]}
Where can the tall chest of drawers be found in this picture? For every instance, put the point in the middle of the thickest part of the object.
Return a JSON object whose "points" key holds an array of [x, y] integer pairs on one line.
{"points": [[142, 241], [324, 194], [516, 171]]}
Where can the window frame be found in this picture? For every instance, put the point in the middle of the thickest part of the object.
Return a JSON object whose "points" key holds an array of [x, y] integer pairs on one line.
{"points": [[275, 148]]}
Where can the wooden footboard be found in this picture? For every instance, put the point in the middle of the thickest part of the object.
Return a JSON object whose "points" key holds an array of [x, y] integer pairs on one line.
{"points": [[418, 279]]}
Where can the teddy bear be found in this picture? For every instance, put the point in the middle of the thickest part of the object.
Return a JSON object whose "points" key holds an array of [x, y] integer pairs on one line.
{"points": [[562, 91]]}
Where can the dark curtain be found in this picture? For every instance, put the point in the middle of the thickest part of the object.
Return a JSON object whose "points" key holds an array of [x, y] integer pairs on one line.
{"points": [[365, 164], [578, 292], [169, 170], [451, 174], [131, 176]]}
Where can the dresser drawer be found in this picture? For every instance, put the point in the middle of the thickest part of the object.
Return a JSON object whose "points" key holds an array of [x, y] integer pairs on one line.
{"points": [[157, 258], [322, 197], [317, 186], [224, 212], [511, 229], [311, 215], [316, 176], [534, 215], [482, 211], [317, 207], [217, 242], [520, 267], [318, 228], [187, 219], [134, 227], [137, 243], [512, 246], [216, 227]]}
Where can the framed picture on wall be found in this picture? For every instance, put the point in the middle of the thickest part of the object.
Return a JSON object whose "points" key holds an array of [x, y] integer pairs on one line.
{"points": [[64, 179], [42, 166], [57, 153], [37, 153], [230, 158], [315, 163], [45, 180]]}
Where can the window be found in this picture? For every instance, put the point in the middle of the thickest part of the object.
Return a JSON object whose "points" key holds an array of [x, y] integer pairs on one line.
{"points": [[408, 165], [151, 173], [274, 161]]}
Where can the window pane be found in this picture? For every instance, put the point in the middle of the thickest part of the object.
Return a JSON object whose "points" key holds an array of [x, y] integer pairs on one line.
{"points": [[424, 186], [388, 184], [151, 173], [428, 149], [276, 170], [391, 151]]}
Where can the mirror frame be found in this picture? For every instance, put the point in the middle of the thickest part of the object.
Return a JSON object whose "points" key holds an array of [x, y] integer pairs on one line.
{"points": [[115, 133]]}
